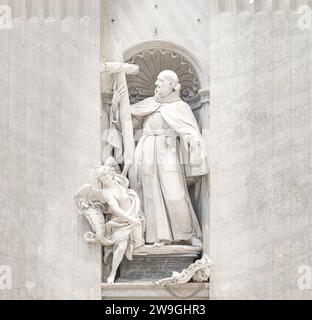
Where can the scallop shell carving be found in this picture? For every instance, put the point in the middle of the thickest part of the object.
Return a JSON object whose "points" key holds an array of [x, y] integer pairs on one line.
{"points": [[151, 63]]}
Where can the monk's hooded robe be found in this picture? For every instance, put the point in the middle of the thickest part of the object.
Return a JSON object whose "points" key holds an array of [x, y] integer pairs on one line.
{"points": [[169, 150]]}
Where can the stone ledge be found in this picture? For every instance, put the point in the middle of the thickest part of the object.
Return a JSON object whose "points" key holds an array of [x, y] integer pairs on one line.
{"points": [[167, 250], [151, 291]]}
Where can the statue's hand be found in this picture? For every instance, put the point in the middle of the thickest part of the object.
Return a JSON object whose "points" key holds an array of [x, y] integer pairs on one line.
{"points": [[193, 145], [125, 170], [135, 221], [118, 94], [189, 139]]}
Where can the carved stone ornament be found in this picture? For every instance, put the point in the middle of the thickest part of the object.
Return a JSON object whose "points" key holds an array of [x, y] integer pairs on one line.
{"points": [[199, 271], [151, 63], [113, 212]]}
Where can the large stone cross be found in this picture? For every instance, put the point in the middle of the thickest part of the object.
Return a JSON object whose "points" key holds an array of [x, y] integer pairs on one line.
{"points": [[119, 70]]}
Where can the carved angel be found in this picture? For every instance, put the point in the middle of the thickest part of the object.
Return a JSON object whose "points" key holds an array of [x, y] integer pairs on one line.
{"points": [[113, 212]]}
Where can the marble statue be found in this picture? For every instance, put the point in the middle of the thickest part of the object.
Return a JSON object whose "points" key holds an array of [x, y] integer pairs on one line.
{"points": [[199, 271], [113, 212], [169, 151]]}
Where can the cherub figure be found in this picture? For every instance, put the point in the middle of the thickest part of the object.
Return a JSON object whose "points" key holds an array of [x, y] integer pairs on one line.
{"points": [[113, 211]]}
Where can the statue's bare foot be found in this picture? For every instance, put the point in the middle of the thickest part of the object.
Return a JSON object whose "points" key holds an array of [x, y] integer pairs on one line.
{"points": [[111, 279], [196, 242], [160, 243]]}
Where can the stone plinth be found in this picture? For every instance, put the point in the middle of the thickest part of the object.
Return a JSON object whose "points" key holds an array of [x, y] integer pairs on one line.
{"points": [[167, 250], [150, 291], [154, 263], [153, 267]]}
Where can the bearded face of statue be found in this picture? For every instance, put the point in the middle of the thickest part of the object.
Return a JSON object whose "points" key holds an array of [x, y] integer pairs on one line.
{"points": [[166, 81]]}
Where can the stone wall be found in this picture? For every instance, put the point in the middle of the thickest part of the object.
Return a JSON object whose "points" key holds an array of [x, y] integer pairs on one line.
{"points": [[260, 149], [50, 137]]}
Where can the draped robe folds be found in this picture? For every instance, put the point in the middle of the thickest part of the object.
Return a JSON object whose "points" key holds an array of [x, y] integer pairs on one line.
{"points": [[170, 149]]}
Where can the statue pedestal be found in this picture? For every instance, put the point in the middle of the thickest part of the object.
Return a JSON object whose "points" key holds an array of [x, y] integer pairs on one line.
{"points": [[150, 291], [154, 263], [167, 250]]}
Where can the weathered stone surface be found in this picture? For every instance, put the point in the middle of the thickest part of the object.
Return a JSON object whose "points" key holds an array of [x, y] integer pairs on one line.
{"points": [[260, 147], [153, 267], [50, 137]]}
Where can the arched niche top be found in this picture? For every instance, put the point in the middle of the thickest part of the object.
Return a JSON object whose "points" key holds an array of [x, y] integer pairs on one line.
{"points": [[156, 56]]}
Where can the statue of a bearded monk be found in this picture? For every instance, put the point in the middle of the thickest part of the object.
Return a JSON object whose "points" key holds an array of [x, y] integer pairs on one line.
{"points": [[170, 150]]}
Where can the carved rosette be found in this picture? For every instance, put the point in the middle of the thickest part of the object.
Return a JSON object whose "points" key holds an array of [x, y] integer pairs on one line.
{"points": [[151, 63]]}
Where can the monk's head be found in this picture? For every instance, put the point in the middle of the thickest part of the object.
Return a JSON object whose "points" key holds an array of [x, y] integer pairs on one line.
{"points": [[167, 83]]}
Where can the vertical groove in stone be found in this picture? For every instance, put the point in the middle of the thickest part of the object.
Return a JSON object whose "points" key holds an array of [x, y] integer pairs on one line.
{"points": [[16, 8], [260, 6], [83, 8], [94, 8], [76, 9], [52, 9], [13, 4], [87, 8], [222, 6], [275, 5], [308, 3], [28, 9], [68, 8], [268, 5], [240, 6], [55, 7], [23, 9], [41, 9], [294, 5], [280, 6], [230, 6], [243, 6], [45, 8], [59, 9], [35, 9]]}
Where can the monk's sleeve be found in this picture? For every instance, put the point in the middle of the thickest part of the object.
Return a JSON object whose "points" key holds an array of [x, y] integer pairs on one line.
{"points": [[181, 119], [137, 120], [141, 110]]}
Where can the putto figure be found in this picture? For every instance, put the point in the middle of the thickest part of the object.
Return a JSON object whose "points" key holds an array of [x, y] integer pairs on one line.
{"points": [[113, 212], [170, 150]]}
